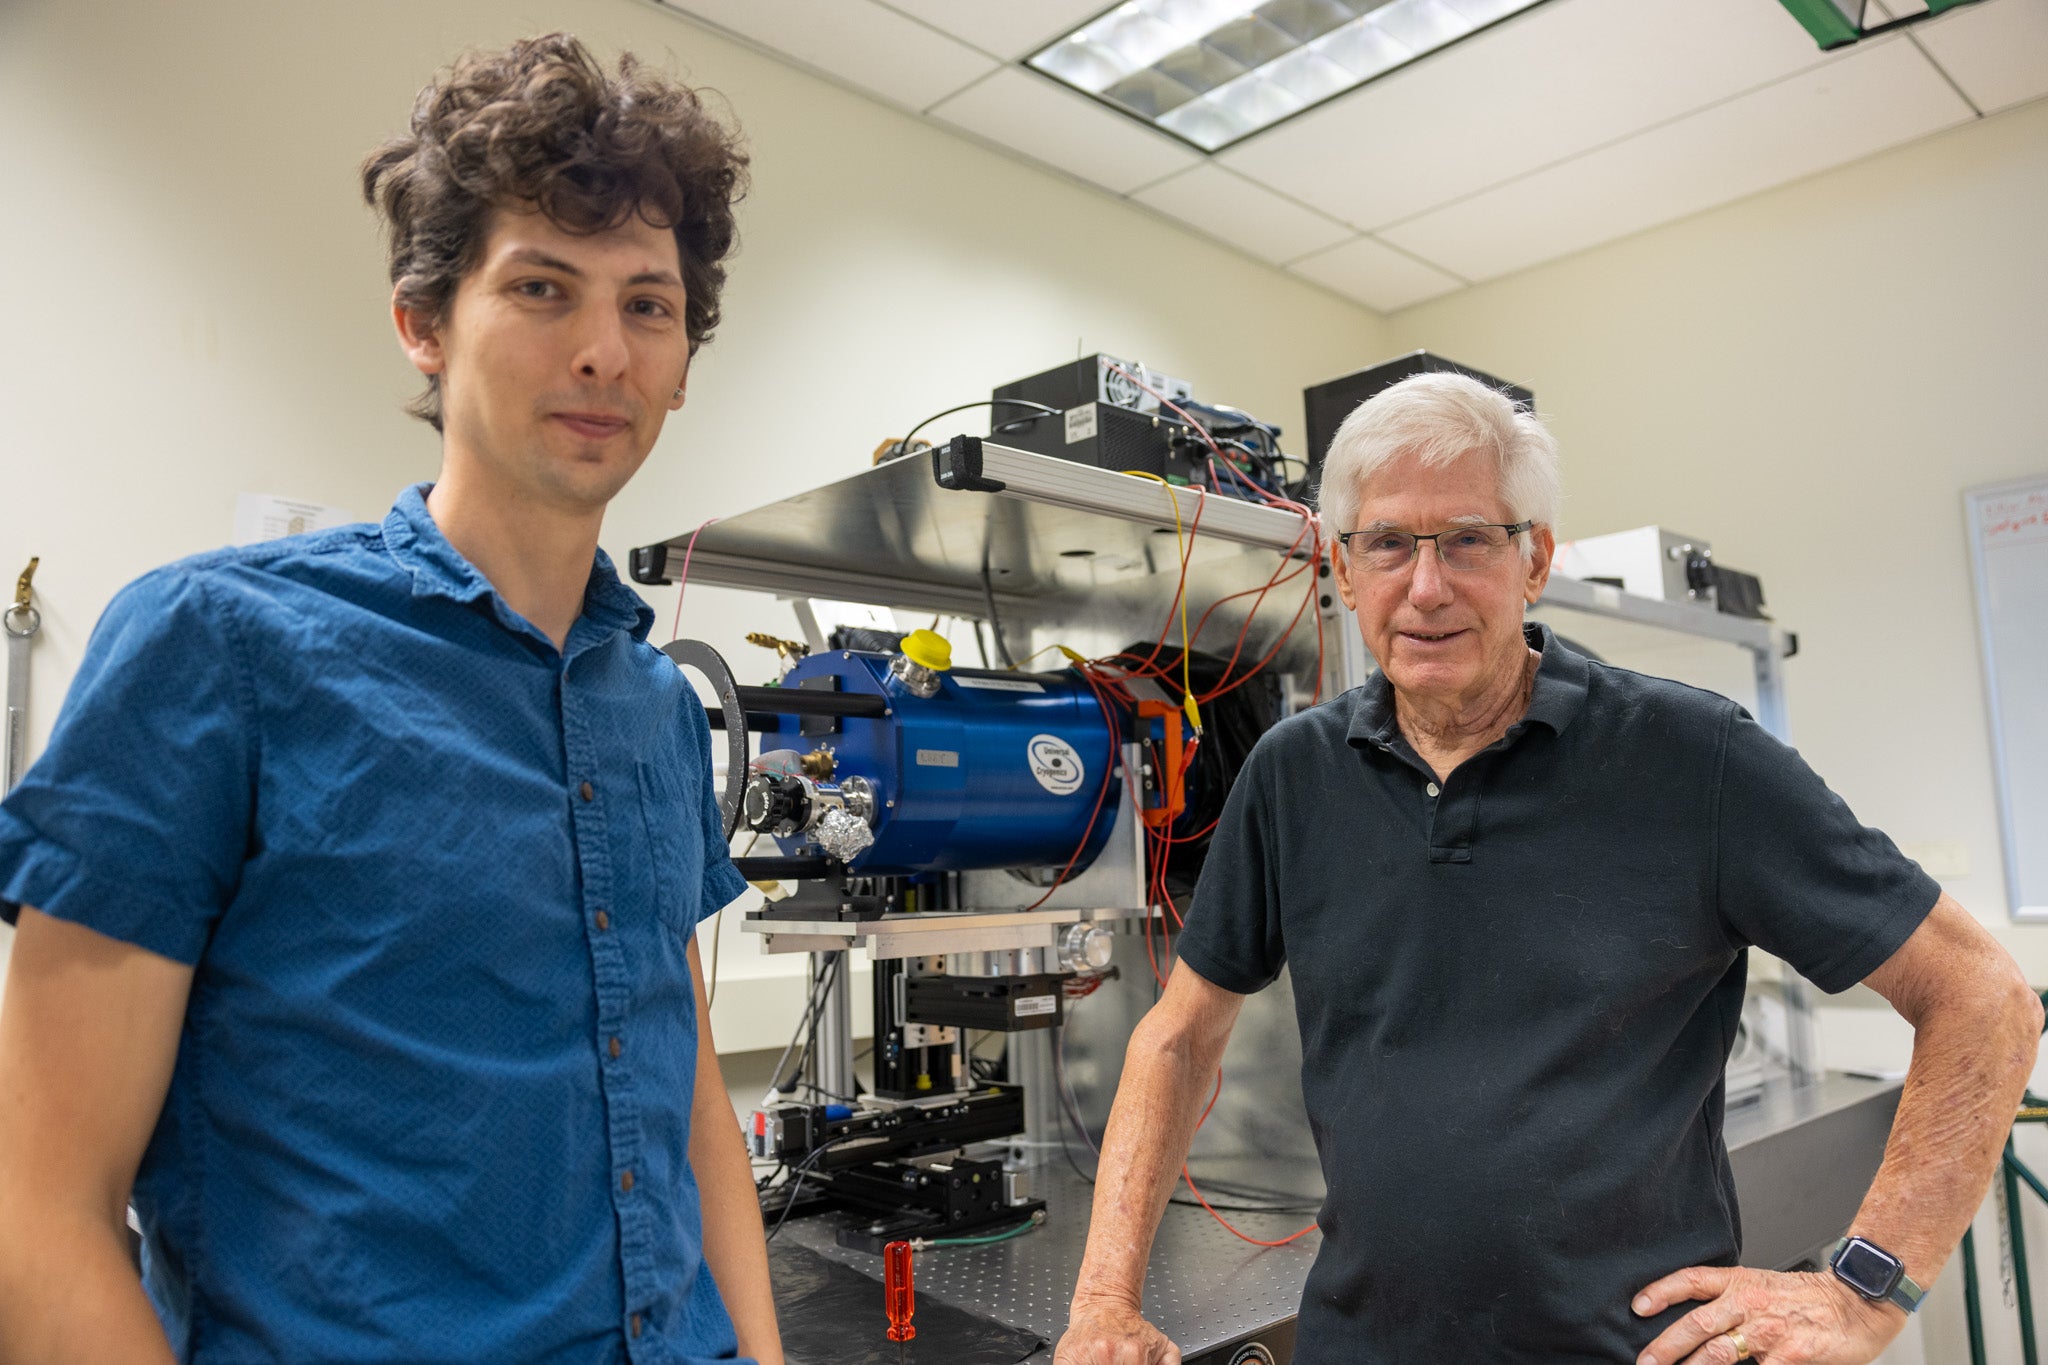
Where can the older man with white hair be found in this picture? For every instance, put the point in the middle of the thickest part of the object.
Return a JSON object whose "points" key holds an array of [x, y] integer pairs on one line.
{"points": [[1516, 888]]}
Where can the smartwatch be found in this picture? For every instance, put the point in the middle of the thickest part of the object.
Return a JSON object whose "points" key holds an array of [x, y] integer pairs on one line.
{"points": [[1873, 1272]]}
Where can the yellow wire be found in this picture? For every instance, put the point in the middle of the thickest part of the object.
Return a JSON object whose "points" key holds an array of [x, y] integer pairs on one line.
{"points": [[1187, 690]]}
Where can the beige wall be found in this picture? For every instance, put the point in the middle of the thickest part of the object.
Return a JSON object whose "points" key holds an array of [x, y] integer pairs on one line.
{"points": [[1810, 379], [197, 299]]}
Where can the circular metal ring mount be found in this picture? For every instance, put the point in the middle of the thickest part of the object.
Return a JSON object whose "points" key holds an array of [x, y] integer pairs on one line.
{"points": [[35, 622], [706, 660]]}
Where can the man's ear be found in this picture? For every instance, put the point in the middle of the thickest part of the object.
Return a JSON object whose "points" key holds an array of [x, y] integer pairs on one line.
{"points": [[1341, 571], [1536, 571], [682, 389], [418, 338]]}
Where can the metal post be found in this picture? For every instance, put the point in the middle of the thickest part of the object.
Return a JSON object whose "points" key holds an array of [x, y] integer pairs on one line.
{"points": [[1031, 1067], [1973, 1307], [2021, 1288], [1771, 712], [1802, 1040], [833, 1060]]}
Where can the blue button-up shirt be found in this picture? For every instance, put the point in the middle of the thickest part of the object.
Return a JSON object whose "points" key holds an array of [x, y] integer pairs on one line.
{"points": [[437, 880]]}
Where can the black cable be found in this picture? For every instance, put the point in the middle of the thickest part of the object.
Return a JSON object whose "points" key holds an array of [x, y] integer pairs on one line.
{"points": [[1231, 725], [1069, 1113], [1041, 410], [806, 1026], [995, 623], [803, 1168]]}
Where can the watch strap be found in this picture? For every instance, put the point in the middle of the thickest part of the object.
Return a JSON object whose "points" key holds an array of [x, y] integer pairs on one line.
{"points": [[1906, 1293]]}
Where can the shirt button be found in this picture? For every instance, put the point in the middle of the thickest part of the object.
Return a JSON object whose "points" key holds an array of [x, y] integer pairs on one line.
{"points": [[1432, 789], [587, 791], [626, 1183], [604, 921], [633, 1324], [615, 1049]]}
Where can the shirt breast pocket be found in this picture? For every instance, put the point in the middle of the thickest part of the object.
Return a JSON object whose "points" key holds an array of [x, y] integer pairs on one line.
{"points": [[675, 843]]}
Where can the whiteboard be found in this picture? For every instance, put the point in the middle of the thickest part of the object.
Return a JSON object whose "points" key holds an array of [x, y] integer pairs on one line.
{"points": [[2009, 549]]}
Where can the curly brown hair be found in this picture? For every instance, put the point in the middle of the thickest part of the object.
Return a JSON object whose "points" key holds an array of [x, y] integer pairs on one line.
{"points": [[541, 125]]}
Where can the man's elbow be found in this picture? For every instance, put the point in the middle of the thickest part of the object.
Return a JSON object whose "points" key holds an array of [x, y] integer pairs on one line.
{"points": [[2008, 1015], [2032, 1018]]}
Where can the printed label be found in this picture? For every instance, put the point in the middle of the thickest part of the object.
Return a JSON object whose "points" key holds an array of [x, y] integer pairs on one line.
{"points": [[1080, 423], [1028, 1005], [1000, 684], [1055, 764], [937, 758]]}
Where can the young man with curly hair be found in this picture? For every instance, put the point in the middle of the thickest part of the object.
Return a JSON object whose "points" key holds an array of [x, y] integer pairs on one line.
{"points": [[357, 885]]}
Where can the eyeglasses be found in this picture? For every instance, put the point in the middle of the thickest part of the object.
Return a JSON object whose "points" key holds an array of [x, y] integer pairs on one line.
{"points": [[1461, 547]]}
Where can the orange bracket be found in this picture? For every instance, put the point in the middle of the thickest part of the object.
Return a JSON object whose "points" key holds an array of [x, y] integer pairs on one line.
{"points": [[1172, 782]]}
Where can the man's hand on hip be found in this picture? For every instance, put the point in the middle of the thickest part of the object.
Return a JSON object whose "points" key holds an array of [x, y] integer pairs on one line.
{"points": [[1103, 1333], [1767, 1316]]}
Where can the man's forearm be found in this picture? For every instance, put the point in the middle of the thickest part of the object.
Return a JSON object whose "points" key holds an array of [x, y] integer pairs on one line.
{"points": [[734, 1245], [1165, 1082], [69, 1295], [1971, 1060]]}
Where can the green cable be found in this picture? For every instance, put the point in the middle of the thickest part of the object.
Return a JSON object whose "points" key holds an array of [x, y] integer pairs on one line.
{"points": [[1017, 1231]]}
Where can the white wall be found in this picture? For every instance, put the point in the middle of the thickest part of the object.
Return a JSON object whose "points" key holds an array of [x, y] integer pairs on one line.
{"points": [[1810, 379], [197, 299]]}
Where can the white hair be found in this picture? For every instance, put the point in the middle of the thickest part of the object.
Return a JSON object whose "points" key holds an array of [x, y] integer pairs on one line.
{"points": [[1439, 418]]}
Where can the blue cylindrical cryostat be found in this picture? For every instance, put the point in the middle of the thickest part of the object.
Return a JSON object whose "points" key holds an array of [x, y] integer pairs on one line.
{"points": [[991, 770]]}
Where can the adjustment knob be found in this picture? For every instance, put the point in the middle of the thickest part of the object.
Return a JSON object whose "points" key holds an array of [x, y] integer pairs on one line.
{"points": [[774, 804], [1086, 947]]}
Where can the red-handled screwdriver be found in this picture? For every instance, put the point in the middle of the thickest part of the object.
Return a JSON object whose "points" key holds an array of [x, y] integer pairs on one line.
{"points": [[899, 1296]]}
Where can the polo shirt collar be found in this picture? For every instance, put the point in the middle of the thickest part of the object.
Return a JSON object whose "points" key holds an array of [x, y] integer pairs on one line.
{"points": [[1559, 693], [439, 570]]}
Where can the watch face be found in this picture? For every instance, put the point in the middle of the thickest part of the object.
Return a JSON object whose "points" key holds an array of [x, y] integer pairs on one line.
{"points": [[1870, 1272]]}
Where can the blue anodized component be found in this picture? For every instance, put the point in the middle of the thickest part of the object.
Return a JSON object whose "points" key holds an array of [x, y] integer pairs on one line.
{"points": [[993, 770]]}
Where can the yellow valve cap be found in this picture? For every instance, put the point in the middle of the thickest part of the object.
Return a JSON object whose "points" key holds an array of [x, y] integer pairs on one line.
{"points": [[928, 649]]}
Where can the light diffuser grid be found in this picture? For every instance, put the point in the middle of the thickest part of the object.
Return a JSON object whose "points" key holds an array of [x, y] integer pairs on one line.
{"points": [[1212, 72]]}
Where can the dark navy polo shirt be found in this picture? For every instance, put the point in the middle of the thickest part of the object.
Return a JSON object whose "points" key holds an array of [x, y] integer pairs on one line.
{"points": [[1517, 990], [437, 881]]}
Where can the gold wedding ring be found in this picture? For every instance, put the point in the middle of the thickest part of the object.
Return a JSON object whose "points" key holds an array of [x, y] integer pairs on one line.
{"points": [[1741, 1344]]}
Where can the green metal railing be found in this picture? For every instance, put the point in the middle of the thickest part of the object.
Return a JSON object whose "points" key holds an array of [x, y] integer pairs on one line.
{"points": [[2014, 1172]]}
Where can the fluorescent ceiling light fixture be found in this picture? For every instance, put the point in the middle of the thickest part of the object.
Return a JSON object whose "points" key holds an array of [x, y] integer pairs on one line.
{"points": [[1837, 23], [1211, 72]]}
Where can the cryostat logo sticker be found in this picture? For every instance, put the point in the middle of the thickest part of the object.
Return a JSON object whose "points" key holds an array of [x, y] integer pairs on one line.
{"points": [[1055, 764]]}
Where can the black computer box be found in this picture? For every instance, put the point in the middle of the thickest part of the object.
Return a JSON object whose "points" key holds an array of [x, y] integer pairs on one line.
{"points": [[1094, 379], [1111, 437], [1108, 416], [1326, 405]]}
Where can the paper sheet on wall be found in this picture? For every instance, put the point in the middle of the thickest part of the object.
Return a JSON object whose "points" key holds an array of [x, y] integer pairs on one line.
{"points": [[266, 516]]}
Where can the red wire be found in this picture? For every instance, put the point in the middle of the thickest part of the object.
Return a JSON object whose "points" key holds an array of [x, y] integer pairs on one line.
{"points": [[681, 583], [1242, 1236], [1101, 791]]}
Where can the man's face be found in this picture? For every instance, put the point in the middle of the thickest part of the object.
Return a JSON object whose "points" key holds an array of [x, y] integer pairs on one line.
{"points": [[559, 356], [1441, 634]]}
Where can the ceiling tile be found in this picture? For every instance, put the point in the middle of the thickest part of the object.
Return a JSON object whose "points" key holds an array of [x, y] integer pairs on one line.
{"points": [[1375, 274], [857, 41], [1007, 28], [1880, 94], [1246, 215], [1997, 51], [1070, 132], [1548, 84]]}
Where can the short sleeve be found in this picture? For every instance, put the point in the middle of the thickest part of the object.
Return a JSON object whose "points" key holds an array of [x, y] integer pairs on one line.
{"points": [[722, 880], [1798, 875], [1232, 938], [135, 820]]}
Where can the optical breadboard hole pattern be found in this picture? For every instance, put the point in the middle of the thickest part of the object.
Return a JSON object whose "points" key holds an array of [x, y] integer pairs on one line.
{"points": [[1203, 1287]]}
